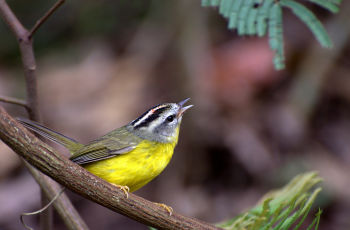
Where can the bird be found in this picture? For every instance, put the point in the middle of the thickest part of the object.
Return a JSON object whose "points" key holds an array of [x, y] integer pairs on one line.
{"points": [[131, 156]]}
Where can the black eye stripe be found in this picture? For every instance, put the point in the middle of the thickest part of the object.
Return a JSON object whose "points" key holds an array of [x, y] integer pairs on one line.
{"points": [[153, 116], [140, 117]]}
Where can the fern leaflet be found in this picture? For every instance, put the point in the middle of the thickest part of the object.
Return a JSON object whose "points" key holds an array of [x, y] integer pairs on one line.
{"points": [[255, 17]]}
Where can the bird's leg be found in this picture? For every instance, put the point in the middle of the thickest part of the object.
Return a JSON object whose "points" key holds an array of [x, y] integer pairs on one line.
{"points": [[166, 207], [124, 188]]}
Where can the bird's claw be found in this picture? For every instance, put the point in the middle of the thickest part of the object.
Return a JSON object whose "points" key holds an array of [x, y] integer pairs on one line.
{"points": [[125, 189], [166, 207]]}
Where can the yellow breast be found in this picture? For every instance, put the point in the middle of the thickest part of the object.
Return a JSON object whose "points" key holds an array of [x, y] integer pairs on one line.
{"points": [[137, 167]]}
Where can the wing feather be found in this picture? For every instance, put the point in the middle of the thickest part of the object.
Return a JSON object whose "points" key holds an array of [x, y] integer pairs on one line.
{"points": [[115, 143]]}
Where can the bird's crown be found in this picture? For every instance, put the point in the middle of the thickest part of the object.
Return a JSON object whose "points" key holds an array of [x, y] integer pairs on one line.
{"points": [[161, 122]]}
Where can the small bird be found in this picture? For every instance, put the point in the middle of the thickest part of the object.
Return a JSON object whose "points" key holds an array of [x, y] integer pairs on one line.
{"points": [[132, 155]]}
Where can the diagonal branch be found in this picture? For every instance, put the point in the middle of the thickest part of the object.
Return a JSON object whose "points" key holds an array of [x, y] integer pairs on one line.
{"points": [[45, 17], [11, 20], [24, 37], [76, 178]]}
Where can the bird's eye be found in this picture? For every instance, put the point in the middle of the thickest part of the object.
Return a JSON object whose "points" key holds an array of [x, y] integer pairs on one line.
{"points": [[170, 118]]}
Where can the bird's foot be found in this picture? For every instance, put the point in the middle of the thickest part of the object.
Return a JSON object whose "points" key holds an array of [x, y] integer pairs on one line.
{"points": [[124, 188], [166, 207]]}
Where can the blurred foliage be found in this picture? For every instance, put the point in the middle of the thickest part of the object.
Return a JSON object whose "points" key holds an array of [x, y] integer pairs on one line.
{"points": [[282, 208], [72, 22], [255, 17]]}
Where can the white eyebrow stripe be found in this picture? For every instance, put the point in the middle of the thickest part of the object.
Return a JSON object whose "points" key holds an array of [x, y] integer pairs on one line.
{"points": [[143, 118], [150, 112]]}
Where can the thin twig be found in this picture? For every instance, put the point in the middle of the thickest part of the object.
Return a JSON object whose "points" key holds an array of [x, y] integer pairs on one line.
{"points": [[63, 205], [11, 20], [14, 101], [28, 58], [29, 66], [45, 17], [40, 210], [77, 179]]}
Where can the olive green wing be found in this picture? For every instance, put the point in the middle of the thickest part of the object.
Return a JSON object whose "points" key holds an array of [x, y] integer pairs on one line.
{"points": [[115, 143]]}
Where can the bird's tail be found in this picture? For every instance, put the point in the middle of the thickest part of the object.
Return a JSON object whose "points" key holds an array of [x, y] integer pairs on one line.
{"points": [[71, 144]]}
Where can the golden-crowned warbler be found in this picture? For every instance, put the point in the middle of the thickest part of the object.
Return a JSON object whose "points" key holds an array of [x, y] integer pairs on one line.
{"points": [[132, 155]]}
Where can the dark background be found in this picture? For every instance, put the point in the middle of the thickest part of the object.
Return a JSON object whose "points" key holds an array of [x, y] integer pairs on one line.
{"points": [[103, 63]]}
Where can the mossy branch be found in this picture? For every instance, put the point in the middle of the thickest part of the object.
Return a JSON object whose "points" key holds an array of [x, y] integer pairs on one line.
{"points": [[77, 179]]}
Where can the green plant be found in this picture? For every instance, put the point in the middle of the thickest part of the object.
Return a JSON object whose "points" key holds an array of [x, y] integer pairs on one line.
{"points": [[256, 17], [282, 209]]}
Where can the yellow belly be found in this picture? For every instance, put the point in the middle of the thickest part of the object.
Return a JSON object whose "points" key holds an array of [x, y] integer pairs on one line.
{"points": [[136, 168]]}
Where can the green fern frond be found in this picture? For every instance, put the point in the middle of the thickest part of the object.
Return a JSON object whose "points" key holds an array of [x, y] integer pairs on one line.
{"points": [[251, 22], [210, 2], [281, 209], [224, 8], [276, 35], [263, 14], [316, 220], [255, 17], [243, 16], [332, 6], [310, 20], [233, 16]]}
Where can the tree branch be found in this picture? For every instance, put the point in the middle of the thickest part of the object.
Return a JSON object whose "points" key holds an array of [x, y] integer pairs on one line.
{"points": [[76, 178], [70, 217], [24, 37], [11, 20], [27, 55], [45, 17], [13, 101], [62, 204]]}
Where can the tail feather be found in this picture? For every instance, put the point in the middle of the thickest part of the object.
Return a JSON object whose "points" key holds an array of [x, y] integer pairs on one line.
{"points": [[71, 144]]}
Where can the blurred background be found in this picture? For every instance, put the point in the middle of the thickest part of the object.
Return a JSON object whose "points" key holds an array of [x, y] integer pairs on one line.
{"points": [[103, 63]]}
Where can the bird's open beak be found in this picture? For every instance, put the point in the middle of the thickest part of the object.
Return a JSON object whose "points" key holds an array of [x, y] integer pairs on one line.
{"points": [[182, 108]]}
